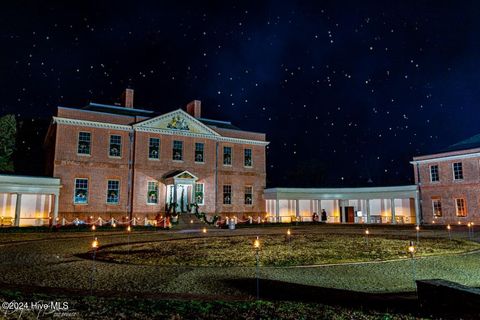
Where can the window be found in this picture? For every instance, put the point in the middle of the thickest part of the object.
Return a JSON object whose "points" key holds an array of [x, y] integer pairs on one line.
{"points": [[247, 157], [437, 207], [199, 152], [115, 146], [248, 194], [154, 148], [199, 193], [81, 191], [84, 140], [227, 156], [152, 192], [434, 173], [113, 187], [461, 207], [457, 171], [227, 194], [177, 150]]}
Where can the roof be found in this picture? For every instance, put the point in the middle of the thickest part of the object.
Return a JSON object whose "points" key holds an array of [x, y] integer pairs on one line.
{"points": [[470, 143], [118, 110], [219, 124]]}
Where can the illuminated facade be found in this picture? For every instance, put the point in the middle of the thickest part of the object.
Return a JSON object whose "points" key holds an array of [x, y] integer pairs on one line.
{"points": [[394, 205]]}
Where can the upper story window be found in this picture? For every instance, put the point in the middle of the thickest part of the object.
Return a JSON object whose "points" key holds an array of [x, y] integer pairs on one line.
{"points": [[460, 207], [457, 171], [434, 176], [227, 156], [81, 191], [154, 148], [84, 141], [199, 152], [227, 194], [177, 150], [115, 146], [437, 207], [113, 187], [247, 157]]}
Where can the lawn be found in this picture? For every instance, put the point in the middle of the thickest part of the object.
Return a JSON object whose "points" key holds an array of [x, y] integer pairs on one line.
{"points": [[278, 250]]}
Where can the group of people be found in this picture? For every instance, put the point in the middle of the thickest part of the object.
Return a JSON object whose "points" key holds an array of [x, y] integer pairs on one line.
{"points": [[322, 218]]}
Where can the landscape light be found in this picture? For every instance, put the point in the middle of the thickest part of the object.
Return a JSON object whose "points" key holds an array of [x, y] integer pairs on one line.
{"points": [[288, 232], [367, 232], [93, 228], [191, 221], [95, 244], [448, 227], [129, 229], [256, 243], [411, 248], [204, 230], [417, 228], [114, 225]]}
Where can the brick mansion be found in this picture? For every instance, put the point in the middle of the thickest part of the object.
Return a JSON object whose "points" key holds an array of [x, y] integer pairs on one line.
{"points": [[124, 161]]}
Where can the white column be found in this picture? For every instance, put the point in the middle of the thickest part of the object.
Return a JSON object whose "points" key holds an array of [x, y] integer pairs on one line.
{"points": [[18, 208], [368, 210], [277, 210], [297, 209], [55, 209], [417, 210], [392, 210]]}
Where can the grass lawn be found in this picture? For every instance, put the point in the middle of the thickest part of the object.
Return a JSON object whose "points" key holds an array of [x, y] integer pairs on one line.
{"points": [[278, 251], [123, 308]]}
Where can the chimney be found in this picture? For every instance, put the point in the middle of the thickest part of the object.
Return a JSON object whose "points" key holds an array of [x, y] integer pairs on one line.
{"points": [[127, 98], [194, 108]]}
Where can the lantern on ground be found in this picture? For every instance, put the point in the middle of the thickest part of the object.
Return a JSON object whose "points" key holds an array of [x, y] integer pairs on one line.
{"points": [[256, 246]]}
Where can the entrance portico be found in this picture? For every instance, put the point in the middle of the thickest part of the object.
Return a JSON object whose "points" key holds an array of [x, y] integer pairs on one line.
{"points": [[180, 189]]}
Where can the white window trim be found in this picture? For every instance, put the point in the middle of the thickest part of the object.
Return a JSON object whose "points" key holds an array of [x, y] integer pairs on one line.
{"points": [[438, 173], [78, 141], [251, 204], [195, 150], [251, 158], [158, 194], [113, 203], [110, 143], [75, 188], [464, 207], [453, 171], [231, 156], [159, 149], [433, 207], [203, 191], [173, 147], [231, 195]]}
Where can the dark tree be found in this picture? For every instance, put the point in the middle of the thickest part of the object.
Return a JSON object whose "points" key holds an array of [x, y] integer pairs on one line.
{"points": [[8, 132]]}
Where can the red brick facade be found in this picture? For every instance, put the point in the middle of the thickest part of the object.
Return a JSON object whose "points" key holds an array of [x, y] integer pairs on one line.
{"points": [[447, 188], [136, 168]]}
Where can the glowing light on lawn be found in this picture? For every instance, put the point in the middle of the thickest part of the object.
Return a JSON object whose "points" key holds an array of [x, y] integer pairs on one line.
{"points": [[288, 232], [129, 229], [191, 221], [417, 228], [114, 225], [367, 232], [204, 230], [95, 244], [256, 243], [448, 227], [93, 228], [459, 222], [411, 248]]}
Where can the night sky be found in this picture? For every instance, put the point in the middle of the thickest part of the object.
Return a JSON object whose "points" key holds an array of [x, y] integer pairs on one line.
{"points": [[347, 93]]}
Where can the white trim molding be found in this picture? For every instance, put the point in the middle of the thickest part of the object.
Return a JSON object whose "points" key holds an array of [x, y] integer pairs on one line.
{"points": [[91, 124], [448, 158]]}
